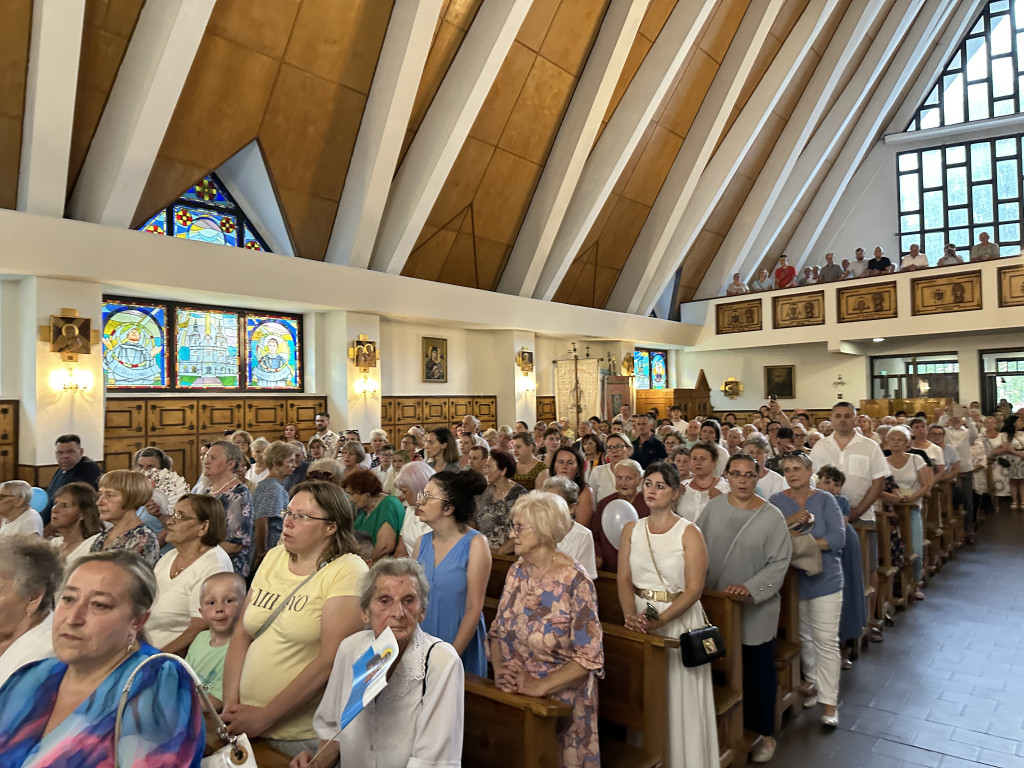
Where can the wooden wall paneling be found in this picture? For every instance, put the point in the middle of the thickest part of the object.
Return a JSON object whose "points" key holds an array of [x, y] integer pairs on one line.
{"points": [[408, 411], [220, 413], [486, 409], [8, 463], [265, 416], [387, 410], [118, 452], [545, 408], [125, 418], [184, 452], [302, 413], [9, 422], [459, 407], [171, 417], [435, 410], [39, 477]]}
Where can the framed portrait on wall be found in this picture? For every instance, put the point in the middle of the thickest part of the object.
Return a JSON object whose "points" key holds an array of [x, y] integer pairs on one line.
{"points": [[780, 381], [434, 359]]}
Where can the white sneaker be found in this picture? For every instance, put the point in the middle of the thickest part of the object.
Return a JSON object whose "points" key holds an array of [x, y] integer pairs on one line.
{"points": [[762, 753], [810, 701], [830, 721]]}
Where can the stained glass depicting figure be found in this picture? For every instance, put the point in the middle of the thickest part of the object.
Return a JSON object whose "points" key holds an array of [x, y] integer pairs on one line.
{"points": [[642, 368], [134, 346], [272, 352], [207, 349], [205, 226], [659, 370]]}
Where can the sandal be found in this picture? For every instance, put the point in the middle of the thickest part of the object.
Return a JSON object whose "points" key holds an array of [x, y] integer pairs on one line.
{"points": [[876, 635], [919, 595], [847, 664]]}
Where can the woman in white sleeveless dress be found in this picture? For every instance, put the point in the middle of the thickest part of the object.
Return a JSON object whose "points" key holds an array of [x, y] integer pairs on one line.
{"points": [[662, 564]]}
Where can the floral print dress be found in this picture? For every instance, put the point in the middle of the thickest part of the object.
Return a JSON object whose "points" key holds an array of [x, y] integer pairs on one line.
{"points": [[546, 625]]}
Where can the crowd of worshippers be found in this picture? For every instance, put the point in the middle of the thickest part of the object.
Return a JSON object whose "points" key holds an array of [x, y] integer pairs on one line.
{"points": [[275, 570], [786, 275]]}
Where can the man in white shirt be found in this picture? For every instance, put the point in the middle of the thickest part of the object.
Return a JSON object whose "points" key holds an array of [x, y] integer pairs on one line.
{"points": [[324, 432], [858, 266], [961, 435], [865, 467], [914, 260], [984, 250]]}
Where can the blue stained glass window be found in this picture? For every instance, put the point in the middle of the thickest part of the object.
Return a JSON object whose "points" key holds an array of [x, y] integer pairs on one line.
{"points": [[134, 345], [642, 369], [659, 370], [206, 213], [207, 349], [272, 353]]}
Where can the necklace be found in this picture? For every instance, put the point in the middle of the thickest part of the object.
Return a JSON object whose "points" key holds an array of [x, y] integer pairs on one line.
{"points": [[214, 490], [693, 484], [534, 583], [176, 569]]}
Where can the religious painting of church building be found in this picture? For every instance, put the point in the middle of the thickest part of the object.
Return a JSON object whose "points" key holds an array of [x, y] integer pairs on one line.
{"points": [[207, 349]]}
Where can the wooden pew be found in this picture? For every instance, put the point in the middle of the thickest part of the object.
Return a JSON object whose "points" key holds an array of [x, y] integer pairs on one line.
{"points": [[725, 612], [864, 530], [516, 731], [885, 569], [931, 518], [608, 607], [787, 651], [908, 584]]}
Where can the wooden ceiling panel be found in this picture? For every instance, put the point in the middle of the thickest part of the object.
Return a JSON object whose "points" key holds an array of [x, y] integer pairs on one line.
{"points": [[426, 261], [174, 176], [600, 221], [262, 26], [310, 221], [655, 17], [339, 42], [534, 120], [535, 26], [630, 167], [654, 165], [308, 132], [462, 183], [683, 104], [564, 45], [501, 99], [724, 216], [706, 244], [721, 28], [616, 241], [505, 190], [14, 42], [569, 290], [459, 264]]}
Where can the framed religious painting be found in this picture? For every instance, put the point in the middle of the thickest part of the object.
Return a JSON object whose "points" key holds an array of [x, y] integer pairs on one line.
{"points": [[780, 382], [738, 316], [434, 359], [869, 301], [957, 292]]}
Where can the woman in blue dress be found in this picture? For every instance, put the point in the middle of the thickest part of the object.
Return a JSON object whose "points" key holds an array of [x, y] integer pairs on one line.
{"points": [[457, 562]]}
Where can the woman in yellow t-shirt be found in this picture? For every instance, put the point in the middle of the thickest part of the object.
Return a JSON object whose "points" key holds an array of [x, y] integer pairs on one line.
{"points": [[277, 666]]}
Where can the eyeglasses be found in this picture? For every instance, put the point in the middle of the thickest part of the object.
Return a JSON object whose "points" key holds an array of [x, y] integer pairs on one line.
{"points": [[422, 497], [517, 528], [179, 516], [745, 475], [298, 517], [320, 475], [616, 446]]}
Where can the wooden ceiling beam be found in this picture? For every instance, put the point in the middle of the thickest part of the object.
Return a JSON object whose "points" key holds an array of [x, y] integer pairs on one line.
{"points": [[872, 120], [135, 119], [745, 249], [728, 157], [648, 254], [444, 130], [621, 136], [54, 50], [382, 131], [572, 146], [840, 54]]}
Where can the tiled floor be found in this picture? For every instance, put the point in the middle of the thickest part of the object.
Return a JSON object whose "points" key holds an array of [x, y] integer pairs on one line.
{"points": [[946, 688]]}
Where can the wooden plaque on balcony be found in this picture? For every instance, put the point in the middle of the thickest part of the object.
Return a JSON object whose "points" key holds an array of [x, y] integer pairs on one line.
{"points": [[870, 301], [1011, 286], [956, 292], [738, 316]]}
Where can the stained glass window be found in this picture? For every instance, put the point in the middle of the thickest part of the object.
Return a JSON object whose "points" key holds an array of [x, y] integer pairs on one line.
{"points": [[272, 352], [206, 212], [659, 370], [134, 345], [206, 349], [641, 369]]}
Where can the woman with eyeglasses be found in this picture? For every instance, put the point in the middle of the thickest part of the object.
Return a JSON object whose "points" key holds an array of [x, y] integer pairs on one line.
{"points": [[377, 513], [748, 556], [457, 564], [705, 484], [821, 596], [121, 493], [271, 497], [661, 566], [278, 662], [602, 478], [194, 529]]}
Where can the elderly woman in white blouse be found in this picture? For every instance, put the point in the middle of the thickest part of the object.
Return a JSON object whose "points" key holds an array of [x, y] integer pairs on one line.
{"points": [[411, 481], [30, 574]]}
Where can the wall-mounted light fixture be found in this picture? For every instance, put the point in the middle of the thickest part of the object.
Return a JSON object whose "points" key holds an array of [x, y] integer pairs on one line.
{"points": [[70, 380], [366, 386]]}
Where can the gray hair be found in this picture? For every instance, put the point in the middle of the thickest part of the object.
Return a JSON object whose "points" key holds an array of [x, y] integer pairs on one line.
{"points": [[142, 587], [629, 464], [378, 433], [259, 442], [18, 489], [393, 566], [355, 447], [232, 452], [759, 441], [34, 567], [564, 487]]}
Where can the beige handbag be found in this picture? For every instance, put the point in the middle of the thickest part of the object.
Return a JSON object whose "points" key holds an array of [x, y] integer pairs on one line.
{"points": [[806, 554]]}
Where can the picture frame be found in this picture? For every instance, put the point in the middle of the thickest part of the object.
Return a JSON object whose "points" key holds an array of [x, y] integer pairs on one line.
{"points": [[434, 359], [525, 361], [958, 292], [365, 354], [871, 301], [798, 310], [738, 316], [1011, 286], [780, 381]]}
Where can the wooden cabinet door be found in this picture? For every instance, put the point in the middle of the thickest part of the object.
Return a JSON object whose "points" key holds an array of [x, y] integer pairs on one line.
{"points": [[302, 412], [408, 411], [220, 414], [486, 409], [545, 408], [8, 468], [125, 418], [9, 423], [387, 410], [265, 416], [435, 410], [184, 453], [171, 417], [459, 407], [118, 452]]}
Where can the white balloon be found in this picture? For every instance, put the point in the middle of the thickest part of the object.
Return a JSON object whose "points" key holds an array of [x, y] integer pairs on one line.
{"points": [[614, 519]]}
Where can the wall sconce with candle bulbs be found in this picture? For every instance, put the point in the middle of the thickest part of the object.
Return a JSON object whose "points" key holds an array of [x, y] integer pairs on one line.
{"points": [[70, 380]]}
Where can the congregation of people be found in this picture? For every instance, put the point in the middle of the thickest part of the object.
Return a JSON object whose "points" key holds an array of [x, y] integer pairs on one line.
{"points": [[273, 572], [786, 275]]}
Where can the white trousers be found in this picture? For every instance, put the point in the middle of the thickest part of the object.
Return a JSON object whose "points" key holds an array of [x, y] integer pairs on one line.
{"points": [[819, 644]]}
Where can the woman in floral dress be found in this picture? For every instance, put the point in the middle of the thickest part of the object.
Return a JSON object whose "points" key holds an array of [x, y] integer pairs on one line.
{"points": [[546, 636]]}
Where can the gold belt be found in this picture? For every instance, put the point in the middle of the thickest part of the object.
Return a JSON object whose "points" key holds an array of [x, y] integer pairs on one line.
{"points": [[661, 595]]}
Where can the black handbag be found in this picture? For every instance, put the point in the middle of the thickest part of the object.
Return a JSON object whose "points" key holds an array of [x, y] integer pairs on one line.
{"points": [[702, 645], [697, 646]]}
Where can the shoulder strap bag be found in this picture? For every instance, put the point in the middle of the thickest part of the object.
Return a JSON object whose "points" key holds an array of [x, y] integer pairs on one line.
{"points": [[282, 605]]}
